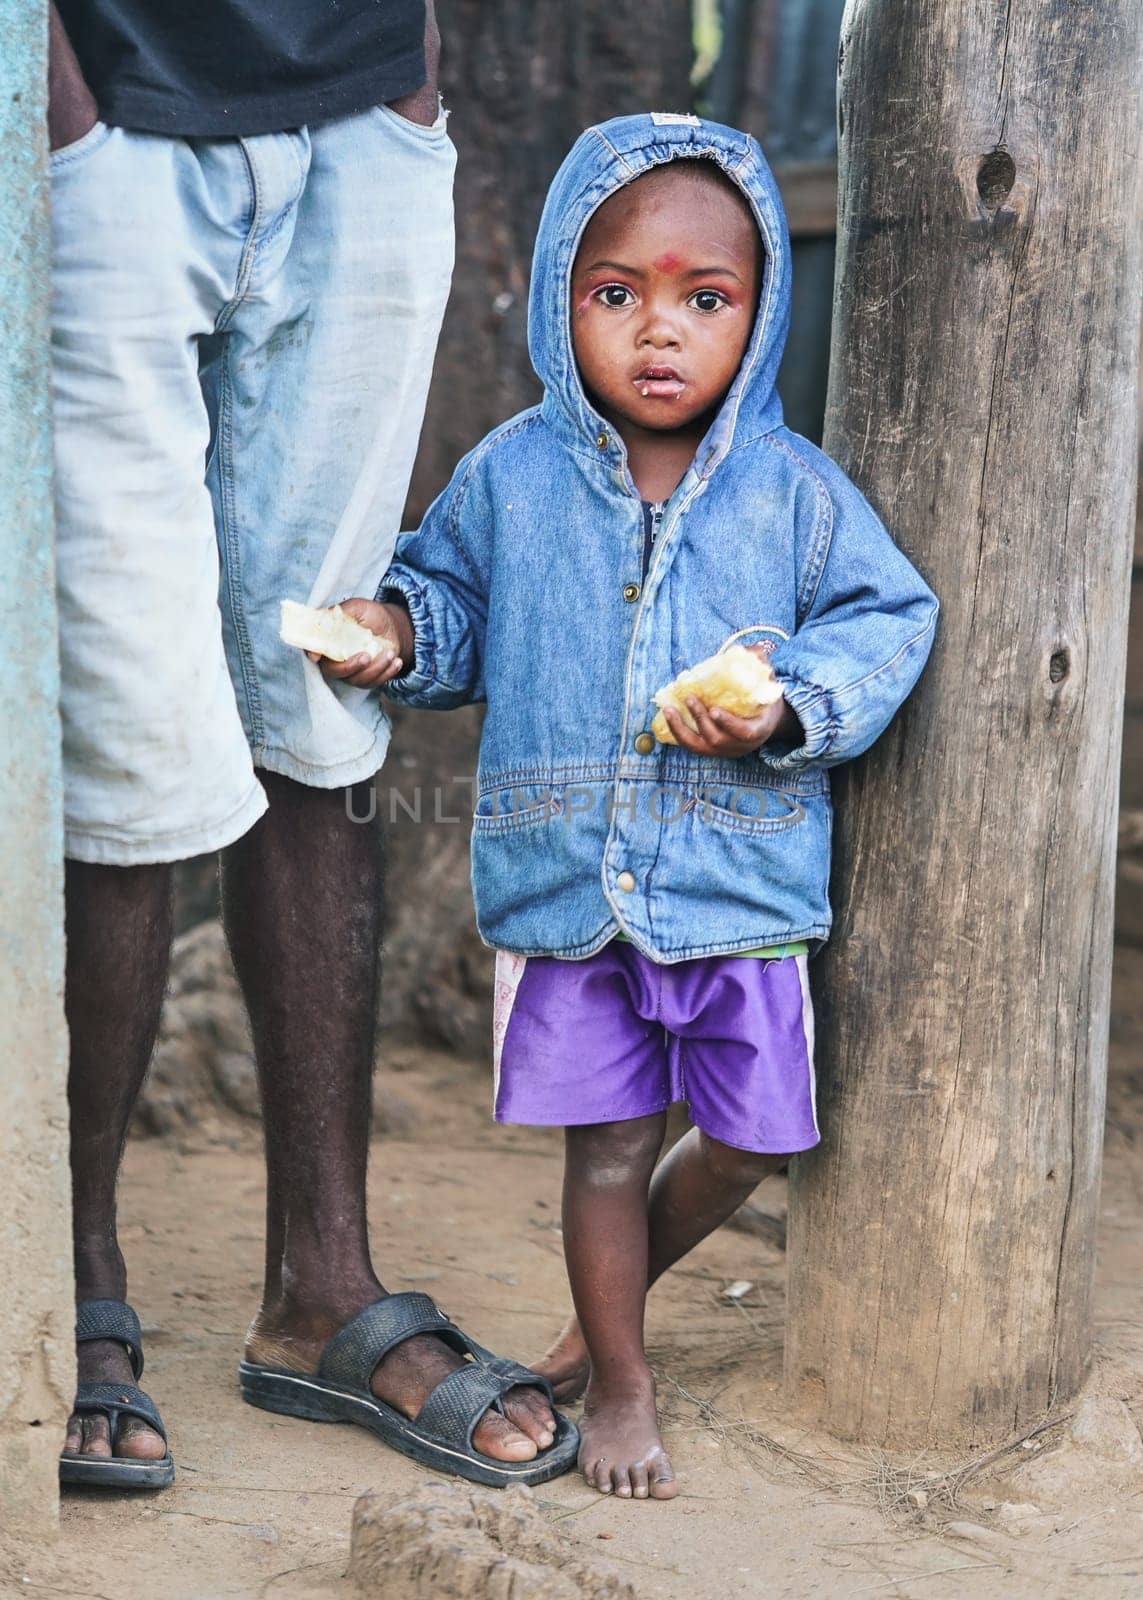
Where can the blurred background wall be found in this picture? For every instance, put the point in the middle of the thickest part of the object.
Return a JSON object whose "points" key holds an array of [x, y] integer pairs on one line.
{"points": [[523, 78]]}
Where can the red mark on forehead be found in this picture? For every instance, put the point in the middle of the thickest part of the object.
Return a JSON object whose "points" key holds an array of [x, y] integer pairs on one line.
{"points": [[668, 262]]}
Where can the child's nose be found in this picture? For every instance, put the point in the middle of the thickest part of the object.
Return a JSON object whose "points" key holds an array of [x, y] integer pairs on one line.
{"points": [[660, 333]]}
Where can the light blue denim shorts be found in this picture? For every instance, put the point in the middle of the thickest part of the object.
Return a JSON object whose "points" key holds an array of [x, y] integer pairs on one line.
{"points": [[243, 333]]}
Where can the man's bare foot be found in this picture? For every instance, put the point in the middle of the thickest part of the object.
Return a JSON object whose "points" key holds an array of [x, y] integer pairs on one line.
{"points": [[566, 1364], [405, 1377], [106, 1361], [621, 1451]]}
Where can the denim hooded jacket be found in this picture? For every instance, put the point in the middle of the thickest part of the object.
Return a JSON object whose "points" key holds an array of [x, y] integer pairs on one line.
{"points": [[523, 585]]}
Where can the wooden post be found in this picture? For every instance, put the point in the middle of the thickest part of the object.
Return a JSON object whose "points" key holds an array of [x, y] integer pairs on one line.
{"points": [[982, 393]]}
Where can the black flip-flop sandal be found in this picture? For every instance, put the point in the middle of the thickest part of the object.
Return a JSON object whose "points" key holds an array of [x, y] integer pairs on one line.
{"points": [[114, 1319], [441, 1434]]}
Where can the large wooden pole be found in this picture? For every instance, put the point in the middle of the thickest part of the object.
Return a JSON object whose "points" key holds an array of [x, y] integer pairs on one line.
{"points": [[982, 392]]}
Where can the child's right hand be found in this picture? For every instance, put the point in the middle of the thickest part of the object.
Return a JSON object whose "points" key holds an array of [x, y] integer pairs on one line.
{"points": [[393, 626]]}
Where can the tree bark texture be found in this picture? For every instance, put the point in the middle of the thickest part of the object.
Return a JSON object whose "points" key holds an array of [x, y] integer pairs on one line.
{"points": [[982, 392]]}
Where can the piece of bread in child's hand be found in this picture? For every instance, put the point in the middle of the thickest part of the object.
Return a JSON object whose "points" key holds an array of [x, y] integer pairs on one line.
{"points": [[736, 679], [329, 631]]}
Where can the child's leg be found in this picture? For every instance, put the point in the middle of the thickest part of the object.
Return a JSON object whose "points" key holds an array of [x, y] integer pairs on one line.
{"points": [[741, 1051], [606, 1179], [698, 1185]]}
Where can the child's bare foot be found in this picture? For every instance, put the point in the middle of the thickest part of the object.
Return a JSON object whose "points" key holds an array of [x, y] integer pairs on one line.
{"points": [[565, 1363], [621, 1450]]}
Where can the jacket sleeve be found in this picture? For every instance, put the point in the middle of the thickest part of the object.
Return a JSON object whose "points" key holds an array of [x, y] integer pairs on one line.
{"points": [[866, 625], [440, 573]]}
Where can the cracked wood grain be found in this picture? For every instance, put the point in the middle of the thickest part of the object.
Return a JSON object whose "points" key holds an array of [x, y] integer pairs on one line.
{"points": [[982, 392]]}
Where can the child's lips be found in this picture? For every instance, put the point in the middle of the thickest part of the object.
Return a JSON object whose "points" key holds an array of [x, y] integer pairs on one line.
{"points": [[659, 383]]}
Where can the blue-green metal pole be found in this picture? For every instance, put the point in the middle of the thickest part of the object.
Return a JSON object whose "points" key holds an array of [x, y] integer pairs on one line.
{"points": [[36, 1305]]}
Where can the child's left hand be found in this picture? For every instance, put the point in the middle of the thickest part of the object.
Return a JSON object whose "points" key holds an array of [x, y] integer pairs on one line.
{"points": [[721, 733]]}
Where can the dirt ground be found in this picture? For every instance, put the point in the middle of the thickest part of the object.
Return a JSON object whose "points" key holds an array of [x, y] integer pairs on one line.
{"points": [[262, 1505]]}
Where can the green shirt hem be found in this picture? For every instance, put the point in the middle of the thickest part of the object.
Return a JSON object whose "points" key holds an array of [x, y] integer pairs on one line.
{"points": [[765, 952]]}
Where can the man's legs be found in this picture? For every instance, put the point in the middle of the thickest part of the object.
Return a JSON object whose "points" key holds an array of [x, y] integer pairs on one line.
{"points": [[118, 941], [301, 899], [302, 896], [155, 759]]}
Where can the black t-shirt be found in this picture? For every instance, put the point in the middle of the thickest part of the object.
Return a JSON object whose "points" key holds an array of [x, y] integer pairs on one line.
{"points": [[244, 66]]}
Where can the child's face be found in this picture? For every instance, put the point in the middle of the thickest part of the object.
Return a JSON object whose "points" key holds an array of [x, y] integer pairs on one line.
{"points": [[664, 294]]}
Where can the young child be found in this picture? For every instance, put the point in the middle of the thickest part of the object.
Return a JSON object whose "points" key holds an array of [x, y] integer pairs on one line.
{"points": [[652, 904]]}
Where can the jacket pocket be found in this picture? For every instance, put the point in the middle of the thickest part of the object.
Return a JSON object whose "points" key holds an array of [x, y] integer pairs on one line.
{"points": [[747, 809], [518, 806], [535, 869]]}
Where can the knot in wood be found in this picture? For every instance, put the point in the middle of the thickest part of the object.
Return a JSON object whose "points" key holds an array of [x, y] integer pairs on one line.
{"points": [[995, 177]]}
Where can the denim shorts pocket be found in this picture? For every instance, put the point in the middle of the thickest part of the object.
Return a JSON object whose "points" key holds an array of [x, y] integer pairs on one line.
{"points": [[431, 133], [79, 149]]}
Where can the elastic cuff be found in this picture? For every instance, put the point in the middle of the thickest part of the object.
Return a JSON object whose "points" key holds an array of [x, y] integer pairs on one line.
{"points": [[813, 709], [396, 586]]}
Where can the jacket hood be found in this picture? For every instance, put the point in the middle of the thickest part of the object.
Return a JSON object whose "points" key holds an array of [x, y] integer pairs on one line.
{"points": [[602, 160]]}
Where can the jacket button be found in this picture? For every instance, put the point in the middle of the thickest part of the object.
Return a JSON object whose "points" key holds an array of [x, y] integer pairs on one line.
{"points": [[630, 592], [626, 882], [644, 743], [601, 441]]}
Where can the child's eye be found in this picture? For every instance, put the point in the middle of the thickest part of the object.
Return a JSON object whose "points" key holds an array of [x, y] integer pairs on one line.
{"points": [[615, 294], [707, 300]]}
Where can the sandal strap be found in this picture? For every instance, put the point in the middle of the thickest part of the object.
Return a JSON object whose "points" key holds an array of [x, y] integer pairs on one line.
{"points": [[458, 1402], [351, 1355], [111, 1319], [521, 1376], [115, 1400]]}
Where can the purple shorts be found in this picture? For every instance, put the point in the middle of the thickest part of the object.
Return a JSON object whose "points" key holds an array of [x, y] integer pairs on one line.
{"points": [[618, 1036]]}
